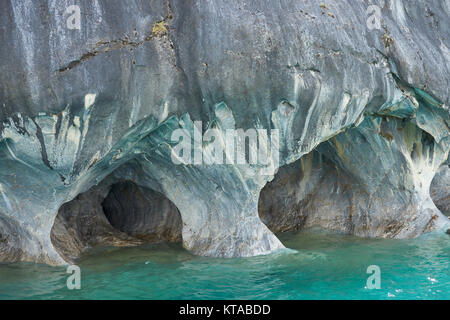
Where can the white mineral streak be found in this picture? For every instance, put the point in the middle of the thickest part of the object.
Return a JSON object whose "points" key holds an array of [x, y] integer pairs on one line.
{"points": [[89, 100]]}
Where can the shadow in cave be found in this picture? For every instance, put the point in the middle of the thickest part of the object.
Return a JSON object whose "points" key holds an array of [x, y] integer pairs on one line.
{"points": [[310, 193], [120, 214], [369, 181], [440, 188], [150, 216]]}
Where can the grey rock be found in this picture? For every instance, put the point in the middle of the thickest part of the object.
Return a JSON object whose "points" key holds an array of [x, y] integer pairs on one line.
{"points": [[440, 189], [370, 181], [79, 105]]}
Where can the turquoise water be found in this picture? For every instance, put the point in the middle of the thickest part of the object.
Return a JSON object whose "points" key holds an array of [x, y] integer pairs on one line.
{"points": [[324, 266]]}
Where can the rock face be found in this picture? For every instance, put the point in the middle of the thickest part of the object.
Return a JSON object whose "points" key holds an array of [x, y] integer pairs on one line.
{"points": [[370, 181], [365, 109], [440, 189]]}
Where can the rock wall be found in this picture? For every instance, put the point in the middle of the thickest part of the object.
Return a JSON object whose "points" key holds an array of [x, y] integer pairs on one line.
{"points": [[80, 105], [370, 181], [440, 189]]}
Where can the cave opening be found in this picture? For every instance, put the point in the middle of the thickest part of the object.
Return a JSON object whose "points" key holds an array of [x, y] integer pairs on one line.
{"points": [[142, 213], [363, 184], [118, 214], [310, 193]]}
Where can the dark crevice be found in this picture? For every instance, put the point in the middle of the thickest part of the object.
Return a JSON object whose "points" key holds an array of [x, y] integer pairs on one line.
{"points": [[40, 137], [142, 213]]}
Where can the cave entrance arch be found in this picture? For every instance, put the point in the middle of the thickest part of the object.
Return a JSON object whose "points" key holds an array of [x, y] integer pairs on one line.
{"points": [[117, 214]]}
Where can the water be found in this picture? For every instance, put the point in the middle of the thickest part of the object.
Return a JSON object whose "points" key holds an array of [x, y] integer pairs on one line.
{"points": [[325, 266]]}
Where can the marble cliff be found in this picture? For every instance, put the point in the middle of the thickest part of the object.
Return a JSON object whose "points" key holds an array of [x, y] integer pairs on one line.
{"points": [[87, 114]]}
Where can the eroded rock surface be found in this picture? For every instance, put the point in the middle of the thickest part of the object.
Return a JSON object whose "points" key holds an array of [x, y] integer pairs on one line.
{"points": [[440, 189], [80, 105], [370, 181]]}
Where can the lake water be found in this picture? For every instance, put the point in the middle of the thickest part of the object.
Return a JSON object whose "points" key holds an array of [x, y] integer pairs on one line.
{"points": [[323, 266]]}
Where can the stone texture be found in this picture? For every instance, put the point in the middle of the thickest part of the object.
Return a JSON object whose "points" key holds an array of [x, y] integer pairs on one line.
{"points": [[79, 105], [370, 181], [440, 189]]}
